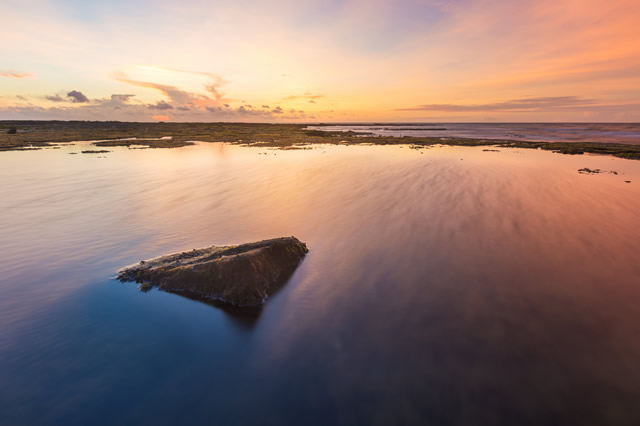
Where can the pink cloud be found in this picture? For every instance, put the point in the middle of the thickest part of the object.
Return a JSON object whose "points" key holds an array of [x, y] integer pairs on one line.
{"points": [[13, 74]]}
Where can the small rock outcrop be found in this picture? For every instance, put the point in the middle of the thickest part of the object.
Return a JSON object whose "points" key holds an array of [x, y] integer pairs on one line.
{"points": [[588, 171], [242, 275]]}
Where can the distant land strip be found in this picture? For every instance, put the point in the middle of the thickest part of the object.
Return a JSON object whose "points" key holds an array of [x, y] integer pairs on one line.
{"points": [[33, 135]]}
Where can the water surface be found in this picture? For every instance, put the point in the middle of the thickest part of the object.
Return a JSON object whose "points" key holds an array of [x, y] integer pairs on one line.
{"points": [[538, 132], [449, 285]]}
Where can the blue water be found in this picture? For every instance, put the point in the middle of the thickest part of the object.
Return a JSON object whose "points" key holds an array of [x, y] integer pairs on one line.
{"points": [[443, 286], [626, 133]]}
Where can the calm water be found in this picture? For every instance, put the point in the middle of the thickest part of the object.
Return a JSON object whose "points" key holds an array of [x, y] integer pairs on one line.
{"points": [[443, 286], [545, 132]]}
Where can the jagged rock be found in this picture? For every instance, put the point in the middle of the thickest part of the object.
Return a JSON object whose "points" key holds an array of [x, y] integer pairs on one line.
{"points": [[242, 275]]}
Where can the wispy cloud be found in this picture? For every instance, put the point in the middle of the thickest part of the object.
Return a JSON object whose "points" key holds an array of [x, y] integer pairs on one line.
{"points": [[14, 74], [217, 81], [180, 97], [172, 92], [55, 98], [307, 96], [540, 104]]}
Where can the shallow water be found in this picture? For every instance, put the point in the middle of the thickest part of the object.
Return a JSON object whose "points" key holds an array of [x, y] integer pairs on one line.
{"points": [[449, 285], [542, 132]]}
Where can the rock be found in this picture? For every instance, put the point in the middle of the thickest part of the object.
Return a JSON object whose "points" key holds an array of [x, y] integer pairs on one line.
{"points": [[242, 275], [587, 170]]}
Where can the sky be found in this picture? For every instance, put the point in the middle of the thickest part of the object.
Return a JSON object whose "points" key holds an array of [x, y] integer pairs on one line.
{"points": [[321, 61]]}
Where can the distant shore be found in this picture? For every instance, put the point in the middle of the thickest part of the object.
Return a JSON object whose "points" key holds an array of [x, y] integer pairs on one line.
{"points": [[33, 135]]}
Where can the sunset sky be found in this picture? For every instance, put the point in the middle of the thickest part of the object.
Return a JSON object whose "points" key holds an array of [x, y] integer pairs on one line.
{"points": [[328, 61]]}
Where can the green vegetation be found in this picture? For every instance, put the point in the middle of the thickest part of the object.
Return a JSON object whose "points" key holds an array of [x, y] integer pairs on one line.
{"points": [[38, 134]]}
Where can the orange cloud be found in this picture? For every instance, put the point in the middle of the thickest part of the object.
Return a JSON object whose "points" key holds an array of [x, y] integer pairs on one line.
{"points": [[172, 92], [182, 97], [161, 117], [307, 95]]}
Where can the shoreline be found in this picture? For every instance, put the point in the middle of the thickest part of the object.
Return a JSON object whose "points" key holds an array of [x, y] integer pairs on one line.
{"points": [[46, 134]]}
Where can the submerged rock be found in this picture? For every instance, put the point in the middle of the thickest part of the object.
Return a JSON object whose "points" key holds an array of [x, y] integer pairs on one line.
{"points": [[242, 275], [587, 170]]}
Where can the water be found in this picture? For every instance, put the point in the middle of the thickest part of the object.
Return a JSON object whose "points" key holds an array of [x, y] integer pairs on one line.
{"points": [[448, 285], [541, 132]]}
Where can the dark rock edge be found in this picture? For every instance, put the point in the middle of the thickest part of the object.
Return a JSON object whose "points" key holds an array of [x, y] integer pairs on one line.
{"points": [[244, 275]]}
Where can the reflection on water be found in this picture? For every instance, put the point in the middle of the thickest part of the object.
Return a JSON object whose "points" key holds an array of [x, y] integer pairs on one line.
{"points": [[443, 286], [545, 132]]}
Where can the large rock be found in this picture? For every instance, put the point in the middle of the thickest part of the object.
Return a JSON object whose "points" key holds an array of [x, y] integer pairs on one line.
{"points": [[242, 275]]}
